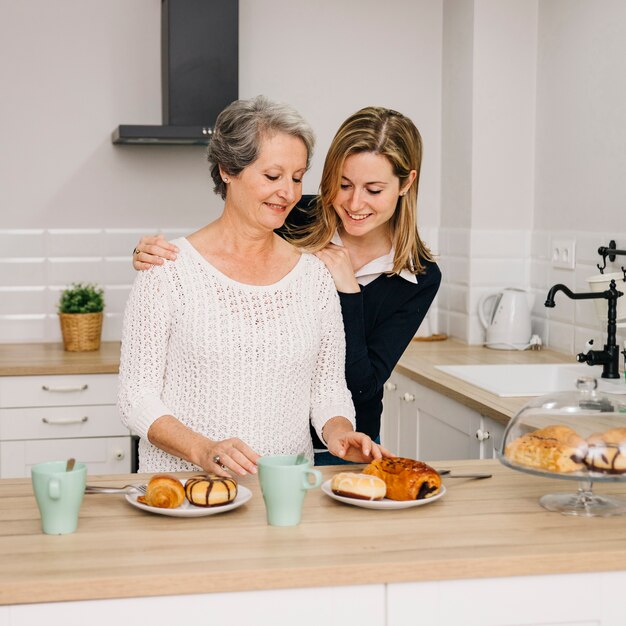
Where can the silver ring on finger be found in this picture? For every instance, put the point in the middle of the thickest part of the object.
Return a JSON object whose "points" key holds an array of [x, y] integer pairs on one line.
{"points": [[216, 459]]}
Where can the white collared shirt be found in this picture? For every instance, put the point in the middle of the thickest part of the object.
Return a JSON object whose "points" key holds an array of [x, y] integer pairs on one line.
{"points": [[372, 270]]}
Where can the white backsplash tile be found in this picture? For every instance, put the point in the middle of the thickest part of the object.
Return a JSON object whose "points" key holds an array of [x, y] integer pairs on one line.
{"points": [[500, 244], [23, 300], [22, 243], [23, 328], [500, 273], [25, 272], [64, 242], [62, 271], [118, 271], [36, 264], [120, 242]]}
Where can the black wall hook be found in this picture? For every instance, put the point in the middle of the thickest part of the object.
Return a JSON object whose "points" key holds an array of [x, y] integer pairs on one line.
{"points": [[611, 251]]}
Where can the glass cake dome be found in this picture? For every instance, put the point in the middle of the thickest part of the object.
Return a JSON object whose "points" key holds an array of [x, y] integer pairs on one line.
{"points": [[572, 435]]}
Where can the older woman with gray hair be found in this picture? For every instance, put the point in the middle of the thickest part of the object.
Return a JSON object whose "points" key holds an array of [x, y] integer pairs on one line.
{"points": [[230, 352]]}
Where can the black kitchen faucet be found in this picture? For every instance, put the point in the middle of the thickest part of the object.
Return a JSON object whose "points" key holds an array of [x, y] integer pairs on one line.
{"points": [[609, 357]]}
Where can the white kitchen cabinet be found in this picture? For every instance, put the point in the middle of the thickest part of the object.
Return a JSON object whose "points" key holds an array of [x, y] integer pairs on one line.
{"points": [[44, 418], [592, 599], [357, 604], [423, 424]]}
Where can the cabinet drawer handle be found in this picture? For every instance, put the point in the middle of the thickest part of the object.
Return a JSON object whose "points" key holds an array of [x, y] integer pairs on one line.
{"points": [[408, 397], [482, 435], [390, 386], [64, 389], [80, 420]]}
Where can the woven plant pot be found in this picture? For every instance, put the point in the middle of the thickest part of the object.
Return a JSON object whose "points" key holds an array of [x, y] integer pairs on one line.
{"points": [[81, 331]]}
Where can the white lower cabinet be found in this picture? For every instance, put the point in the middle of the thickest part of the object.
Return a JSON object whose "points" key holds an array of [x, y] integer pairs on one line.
{"points": [[46, 418], [593, 599], [363, 605], [423, 424]]}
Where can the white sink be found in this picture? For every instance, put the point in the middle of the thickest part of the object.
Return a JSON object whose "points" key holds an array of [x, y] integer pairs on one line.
{"points": [[531, 380]]}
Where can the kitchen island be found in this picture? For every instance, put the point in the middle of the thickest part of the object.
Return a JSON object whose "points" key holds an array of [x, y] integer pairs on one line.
{"points": [[487, 544]]}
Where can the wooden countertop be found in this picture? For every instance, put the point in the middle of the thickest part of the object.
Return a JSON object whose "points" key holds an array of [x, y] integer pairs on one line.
{"points": [[35, 359], [486, 528]]}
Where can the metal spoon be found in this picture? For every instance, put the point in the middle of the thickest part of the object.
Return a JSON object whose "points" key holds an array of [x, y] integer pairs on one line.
{"points": [[69, 466], [299, 458]]}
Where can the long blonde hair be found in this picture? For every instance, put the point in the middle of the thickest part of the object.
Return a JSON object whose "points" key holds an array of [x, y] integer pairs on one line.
{"points": [[394, 136]]}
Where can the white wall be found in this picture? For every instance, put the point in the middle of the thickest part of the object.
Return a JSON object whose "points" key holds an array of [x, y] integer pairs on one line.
{"points": [[72, 204], [580, 157], [534, 129], [489, 52]]}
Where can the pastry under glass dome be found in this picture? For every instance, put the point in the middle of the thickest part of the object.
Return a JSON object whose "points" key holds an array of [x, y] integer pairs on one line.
{"points": [[574, 435]]}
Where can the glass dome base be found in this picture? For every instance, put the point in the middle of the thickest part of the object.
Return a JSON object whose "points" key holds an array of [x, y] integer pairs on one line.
{"points": [[584, 503]]}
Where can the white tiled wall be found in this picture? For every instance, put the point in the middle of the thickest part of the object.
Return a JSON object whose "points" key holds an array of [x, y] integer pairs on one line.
{"points": [[477, 262], [35, 265]]}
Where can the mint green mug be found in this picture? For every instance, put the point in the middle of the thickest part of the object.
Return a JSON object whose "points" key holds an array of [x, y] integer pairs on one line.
{"points": [[59, 495], [284, 482]]}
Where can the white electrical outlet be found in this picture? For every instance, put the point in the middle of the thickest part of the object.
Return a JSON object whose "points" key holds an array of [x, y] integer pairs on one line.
{"points": [[564, 253]]}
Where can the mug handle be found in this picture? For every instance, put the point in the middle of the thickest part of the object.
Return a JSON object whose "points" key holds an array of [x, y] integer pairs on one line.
{"points": [[54, 489], [318, 479]]}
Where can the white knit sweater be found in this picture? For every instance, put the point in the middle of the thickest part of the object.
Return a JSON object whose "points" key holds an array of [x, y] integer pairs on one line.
{"points": [[232, 360]]}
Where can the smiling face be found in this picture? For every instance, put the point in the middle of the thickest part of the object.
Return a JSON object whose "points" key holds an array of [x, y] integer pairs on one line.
{"points": [[264, 193], [368, 194]]}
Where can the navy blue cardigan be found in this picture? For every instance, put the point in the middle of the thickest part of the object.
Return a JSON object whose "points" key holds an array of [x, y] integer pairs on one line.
{"points": [[379, 323]]}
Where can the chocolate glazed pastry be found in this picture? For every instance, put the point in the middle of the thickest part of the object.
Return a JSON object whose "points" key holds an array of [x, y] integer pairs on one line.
{"points": [[607, 451], [210, 490], [406, 479]]}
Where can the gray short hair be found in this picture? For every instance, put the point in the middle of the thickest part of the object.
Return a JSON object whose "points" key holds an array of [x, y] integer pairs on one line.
{"points": [[238, 131]]}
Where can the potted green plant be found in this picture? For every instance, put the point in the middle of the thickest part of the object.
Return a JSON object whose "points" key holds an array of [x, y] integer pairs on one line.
{"points": [[80, 313]]}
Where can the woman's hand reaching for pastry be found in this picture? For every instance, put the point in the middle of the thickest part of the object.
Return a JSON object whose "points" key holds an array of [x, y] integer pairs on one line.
{"points": [[152, 250], [229, 455], [217, 457], [349, 445]]}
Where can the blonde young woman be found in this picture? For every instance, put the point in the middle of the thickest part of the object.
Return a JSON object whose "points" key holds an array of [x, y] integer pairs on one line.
{"points": [[363, 227], [224, 360]]}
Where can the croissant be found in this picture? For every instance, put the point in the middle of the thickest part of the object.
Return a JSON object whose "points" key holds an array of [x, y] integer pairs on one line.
{"points": [[406, 479], [163, 492]]}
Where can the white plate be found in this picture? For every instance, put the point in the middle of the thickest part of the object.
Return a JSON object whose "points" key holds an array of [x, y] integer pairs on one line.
{"points": [[385, 503], [189, 510]]}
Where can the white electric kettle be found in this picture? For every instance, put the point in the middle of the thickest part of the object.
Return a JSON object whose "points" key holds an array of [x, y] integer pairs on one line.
{"points": [[506, 318]]}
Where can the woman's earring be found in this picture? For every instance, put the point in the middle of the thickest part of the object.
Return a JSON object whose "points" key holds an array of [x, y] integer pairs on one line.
{"points": [[226, 180]]}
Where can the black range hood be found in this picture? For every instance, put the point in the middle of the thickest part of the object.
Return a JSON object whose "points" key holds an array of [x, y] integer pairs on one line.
{"points": [[199, 72]]}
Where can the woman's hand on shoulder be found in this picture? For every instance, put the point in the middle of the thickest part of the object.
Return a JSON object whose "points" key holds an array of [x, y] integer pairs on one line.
{"points": [[337, 261], [228, 456], [152, 250]]}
